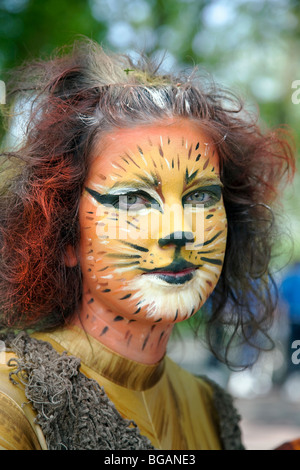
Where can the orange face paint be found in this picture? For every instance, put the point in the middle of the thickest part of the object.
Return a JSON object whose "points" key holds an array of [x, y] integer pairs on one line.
{"points": [[153, 224]]}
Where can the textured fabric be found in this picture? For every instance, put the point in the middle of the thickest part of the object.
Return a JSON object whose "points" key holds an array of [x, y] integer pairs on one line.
{"points": [[170, 406], [229, 418], [73, 411], [71, 407]]}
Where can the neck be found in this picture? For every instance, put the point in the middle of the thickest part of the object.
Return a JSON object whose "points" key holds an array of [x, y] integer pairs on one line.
{"points": [[137, 340]]}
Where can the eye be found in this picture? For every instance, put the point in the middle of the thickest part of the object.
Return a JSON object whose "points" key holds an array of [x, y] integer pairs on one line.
{"points": [[132, 201], [135, 201], [198, 196], [206, 196]]}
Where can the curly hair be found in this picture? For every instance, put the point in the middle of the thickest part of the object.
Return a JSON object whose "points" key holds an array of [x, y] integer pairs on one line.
{"points": [[75, 98]]}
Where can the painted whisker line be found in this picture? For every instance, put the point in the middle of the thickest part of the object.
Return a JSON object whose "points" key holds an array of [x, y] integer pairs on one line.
{"points": [[102, 269], [122, 265], [210, 240], [145, 341], [134, 226], [212, 261], [136, 247], [117, 255]]}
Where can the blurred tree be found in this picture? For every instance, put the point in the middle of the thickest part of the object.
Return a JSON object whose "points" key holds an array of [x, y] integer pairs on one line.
{"points": [[33, 28]]}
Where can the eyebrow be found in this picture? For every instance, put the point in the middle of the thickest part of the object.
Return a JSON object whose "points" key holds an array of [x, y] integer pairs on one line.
{"points": [[130, 185], [150, 184], [203, 182]]}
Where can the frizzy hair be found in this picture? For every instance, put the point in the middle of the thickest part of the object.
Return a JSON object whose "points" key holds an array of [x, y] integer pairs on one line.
{"points": [[74, 99]]}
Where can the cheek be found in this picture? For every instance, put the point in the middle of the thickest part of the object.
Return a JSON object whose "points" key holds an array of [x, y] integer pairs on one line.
{"points": [[106, 263], [211, 254]]}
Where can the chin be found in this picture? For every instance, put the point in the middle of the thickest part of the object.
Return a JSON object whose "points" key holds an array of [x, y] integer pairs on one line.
{"points": [[160, 300]]}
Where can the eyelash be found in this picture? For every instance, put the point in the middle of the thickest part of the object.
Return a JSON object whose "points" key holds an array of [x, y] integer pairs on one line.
{"points": [[149, 201], [214, 192]]}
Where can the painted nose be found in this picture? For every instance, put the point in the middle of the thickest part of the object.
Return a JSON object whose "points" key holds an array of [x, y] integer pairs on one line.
{"points": [[177, 238]]}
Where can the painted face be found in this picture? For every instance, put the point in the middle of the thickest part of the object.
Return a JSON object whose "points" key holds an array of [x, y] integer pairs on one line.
{"points": [[153, 223]]}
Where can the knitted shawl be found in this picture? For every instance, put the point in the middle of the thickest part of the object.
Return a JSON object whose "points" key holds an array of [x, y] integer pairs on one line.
{"points": [[75, 413]]}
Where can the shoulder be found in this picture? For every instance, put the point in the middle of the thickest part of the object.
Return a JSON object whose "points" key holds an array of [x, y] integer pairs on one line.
{"points": [[18, 430], [228, 416], [217, 401]]}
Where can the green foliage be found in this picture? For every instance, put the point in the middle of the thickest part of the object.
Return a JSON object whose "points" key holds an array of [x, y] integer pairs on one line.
{"points": [[36, 28]]}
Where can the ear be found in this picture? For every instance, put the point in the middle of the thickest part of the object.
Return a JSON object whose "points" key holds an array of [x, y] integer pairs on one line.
{"points": [[70, 257]]}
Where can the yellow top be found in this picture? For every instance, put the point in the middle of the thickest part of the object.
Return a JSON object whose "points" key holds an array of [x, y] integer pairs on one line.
{"points": [[169, 405]]}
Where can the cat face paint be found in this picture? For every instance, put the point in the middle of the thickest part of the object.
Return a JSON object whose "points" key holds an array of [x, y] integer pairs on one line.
{"points": [[153, 223]]}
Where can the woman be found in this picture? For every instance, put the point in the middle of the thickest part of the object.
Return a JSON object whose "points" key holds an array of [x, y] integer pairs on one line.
{"points": [[133, 198]]}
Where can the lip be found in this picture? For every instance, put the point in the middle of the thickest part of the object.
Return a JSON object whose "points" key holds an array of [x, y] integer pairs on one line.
{"points": [[175, 278], [178, 266], [174, 273]]}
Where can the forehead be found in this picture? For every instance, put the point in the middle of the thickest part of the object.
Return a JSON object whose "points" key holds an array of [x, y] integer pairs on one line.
{"points": [[179, 145]]}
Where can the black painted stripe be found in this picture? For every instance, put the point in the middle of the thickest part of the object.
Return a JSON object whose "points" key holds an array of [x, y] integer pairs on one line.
{"points": [[125, 297], [102, 269], [210, 240], [161, 335], [117, 255], [145, 342], [212, 261], [104, 330], [120, 265], [136, 247]]}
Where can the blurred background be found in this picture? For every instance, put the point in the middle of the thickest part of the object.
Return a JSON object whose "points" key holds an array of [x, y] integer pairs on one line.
{"points": [[252, 46]]}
